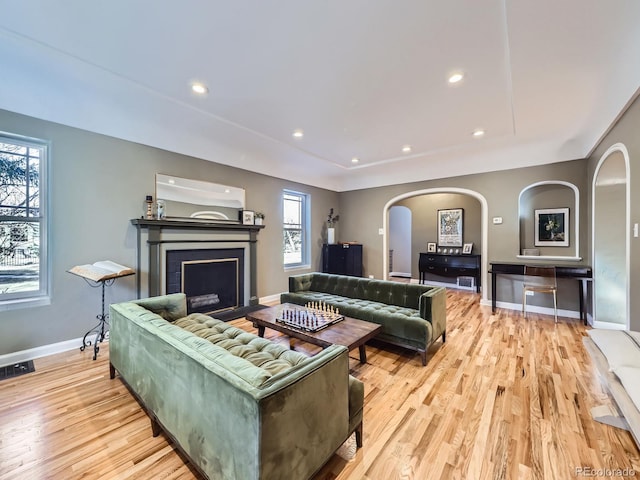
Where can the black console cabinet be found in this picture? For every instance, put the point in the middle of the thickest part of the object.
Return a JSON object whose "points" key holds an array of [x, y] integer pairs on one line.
{"points": [[342, 259], [450, 266]]}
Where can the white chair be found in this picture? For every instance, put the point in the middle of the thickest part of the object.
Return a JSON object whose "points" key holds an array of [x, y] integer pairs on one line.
{"points": [[541, 280]]}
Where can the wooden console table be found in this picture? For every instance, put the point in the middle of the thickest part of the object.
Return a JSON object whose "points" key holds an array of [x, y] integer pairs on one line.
{"points": [[450, 266], [582, 273]]}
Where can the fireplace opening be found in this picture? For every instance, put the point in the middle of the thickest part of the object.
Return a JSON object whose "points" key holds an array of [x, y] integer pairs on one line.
{"points": [[212, 279]]}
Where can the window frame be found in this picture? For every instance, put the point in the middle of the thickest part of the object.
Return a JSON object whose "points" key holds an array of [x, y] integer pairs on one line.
{"points": [[305, 202], [42, 295]]}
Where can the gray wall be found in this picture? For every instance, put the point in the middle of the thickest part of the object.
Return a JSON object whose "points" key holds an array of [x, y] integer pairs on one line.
{"points": [[424, 223], [362, 215], [97, 184], [625, 131]]}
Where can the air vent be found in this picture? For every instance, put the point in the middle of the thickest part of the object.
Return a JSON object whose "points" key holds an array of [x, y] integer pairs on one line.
{"points": [[467, 282]]}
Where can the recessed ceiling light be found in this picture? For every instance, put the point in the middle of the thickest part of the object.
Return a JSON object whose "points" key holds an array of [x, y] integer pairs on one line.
{"points": [[199, 88], [298, 133], [355, 160], [406, 149], [477, 133], [456, 77]]}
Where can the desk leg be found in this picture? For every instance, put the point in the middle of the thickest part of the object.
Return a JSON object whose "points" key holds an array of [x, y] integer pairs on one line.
{"points": [[493, 292], [583, 300]]}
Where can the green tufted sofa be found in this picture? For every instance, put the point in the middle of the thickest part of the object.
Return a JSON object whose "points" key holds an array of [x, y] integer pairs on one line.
{"points": [[412, 316], [239, 406]]}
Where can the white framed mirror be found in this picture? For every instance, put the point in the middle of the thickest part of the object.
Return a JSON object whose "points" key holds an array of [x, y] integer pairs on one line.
{"points": [[187, 198]]}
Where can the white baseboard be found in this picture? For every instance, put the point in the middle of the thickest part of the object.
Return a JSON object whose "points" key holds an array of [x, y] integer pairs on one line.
{"points": [[447, 285], [400, 274], [609, 326], [532, 309], [275, 298], [37, 352]]}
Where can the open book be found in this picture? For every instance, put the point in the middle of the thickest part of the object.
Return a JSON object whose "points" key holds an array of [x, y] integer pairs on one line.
{"points": [[102, 270]]}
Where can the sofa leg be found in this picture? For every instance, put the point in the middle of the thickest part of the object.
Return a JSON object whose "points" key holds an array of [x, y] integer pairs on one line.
{"points": [[444, 337], [423, 356], [156, 429], [112, 371], [359, 435]]}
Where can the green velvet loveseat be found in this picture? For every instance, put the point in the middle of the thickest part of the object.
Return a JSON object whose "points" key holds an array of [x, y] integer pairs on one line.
{"points": [[239, 406], [411, 315]]}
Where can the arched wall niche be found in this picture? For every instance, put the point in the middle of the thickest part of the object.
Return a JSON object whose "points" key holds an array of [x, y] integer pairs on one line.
{"points": [[551, 194]]}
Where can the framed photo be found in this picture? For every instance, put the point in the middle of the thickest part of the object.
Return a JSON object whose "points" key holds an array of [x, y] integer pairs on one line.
{"points": [[552, 227], [467, 249], [450, 227], [247, 217], [431, 247]]}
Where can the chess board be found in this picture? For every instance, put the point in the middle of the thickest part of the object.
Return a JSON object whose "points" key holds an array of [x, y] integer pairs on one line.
{"points": [[308, 319]]}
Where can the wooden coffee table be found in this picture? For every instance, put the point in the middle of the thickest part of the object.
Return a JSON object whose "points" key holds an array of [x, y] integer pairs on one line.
{"points": [[349, 332]]}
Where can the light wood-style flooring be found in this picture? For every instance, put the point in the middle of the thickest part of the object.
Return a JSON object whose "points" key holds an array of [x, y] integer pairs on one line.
{"points": [[504, 398]]}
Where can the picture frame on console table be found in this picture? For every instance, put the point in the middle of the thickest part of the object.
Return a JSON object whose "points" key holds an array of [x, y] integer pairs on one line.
{"points": [[450, 224], [247, 217], [431, 247], [467, 249]]}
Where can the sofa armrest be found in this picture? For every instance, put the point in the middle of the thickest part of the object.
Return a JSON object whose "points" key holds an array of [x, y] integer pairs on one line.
{"points": [[170, 307], [433, 308], [300, 283]]}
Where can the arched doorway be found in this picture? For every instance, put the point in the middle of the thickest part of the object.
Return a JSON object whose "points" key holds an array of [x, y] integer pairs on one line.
{"points": [[611, 239], [484, 226]]}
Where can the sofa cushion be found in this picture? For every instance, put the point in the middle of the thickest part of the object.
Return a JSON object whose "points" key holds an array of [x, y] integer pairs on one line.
{"points": [[262, 353]]}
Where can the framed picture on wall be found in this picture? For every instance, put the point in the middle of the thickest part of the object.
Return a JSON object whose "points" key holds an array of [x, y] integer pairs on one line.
{"points": [[450, 227], [431, 247], [552, 227]]}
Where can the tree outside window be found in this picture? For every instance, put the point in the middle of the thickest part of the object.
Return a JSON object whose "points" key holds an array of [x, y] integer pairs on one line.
{"points": [[21, 219], [294, 231]]}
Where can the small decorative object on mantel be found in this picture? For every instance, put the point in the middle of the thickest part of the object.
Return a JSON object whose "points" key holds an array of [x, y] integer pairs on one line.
{"points": [[259, 218], [247, 217], [331, 231], [149, 211], [161, 211]]}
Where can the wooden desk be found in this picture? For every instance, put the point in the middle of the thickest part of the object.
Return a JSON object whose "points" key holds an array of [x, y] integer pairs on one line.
{"points": [[582, 273]]}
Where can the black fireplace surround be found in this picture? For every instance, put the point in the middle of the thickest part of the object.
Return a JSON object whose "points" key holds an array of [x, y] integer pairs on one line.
{"points": [[212, 278]]}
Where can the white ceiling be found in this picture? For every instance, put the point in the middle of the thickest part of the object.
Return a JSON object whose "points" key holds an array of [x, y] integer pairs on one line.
{"points": [[362, 78]]}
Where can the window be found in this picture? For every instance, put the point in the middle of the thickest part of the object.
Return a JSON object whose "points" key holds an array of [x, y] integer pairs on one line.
{"points": [[295, 247], [23, 265]]}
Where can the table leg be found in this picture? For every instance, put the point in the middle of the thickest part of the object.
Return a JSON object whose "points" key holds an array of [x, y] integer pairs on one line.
{"points": [[493, 292], [291, 343], [363, 353], [260, 331]]}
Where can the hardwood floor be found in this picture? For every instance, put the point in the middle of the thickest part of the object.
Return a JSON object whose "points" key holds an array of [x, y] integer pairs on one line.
{"points": [[504, 398]]}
